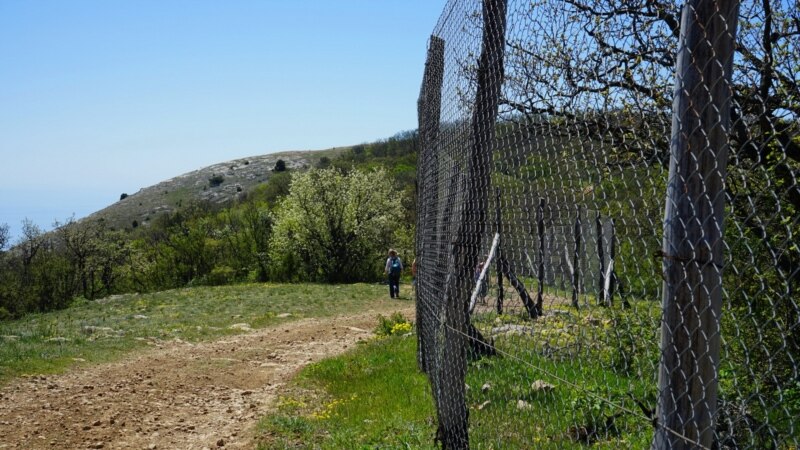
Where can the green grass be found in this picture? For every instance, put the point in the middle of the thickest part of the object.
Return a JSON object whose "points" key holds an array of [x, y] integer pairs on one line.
{"points": [[92, 332], [372, 397]]}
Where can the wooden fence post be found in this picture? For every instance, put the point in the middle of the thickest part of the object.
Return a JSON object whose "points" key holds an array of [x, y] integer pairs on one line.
{"points": [[693, 227], [576, 260], [601, 257], [611, 274], [540, 275], [500, 293]]}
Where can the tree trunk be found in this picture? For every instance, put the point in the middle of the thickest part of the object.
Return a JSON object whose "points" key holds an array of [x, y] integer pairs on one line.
{"points": [[693, 227]]}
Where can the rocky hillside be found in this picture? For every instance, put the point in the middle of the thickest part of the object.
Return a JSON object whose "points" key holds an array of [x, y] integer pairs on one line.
{"points": [[216, 184]]}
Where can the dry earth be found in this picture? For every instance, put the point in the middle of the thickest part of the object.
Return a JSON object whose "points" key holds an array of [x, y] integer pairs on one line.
{"points": [[178, 395]]}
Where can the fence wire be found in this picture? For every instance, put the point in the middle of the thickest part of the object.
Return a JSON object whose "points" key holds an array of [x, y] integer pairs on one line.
{"points": [[636, 163]]}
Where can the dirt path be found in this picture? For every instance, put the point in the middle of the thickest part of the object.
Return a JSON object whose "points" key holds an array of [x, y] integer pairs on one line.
{"points": [[179, 395]]}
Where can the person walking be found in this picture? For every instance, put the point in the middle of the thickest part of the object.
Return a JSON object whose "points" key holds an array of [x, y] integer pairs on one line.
{"points": [[394, 267]]}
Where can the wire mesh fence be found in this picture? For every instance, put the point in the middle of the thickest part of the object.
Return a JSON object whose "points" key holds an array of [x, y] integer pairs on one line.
{"points": [[607, 236]]}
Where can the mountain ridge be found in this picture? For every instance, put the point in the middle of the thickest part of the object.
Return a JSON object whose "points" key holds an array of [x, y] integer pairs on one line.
{"points": [[217, 184]]}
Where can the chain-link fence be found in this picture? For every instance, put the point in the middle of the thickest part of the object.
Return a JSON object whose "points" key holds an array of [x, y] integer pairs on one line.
{"points": [[608, 224]]}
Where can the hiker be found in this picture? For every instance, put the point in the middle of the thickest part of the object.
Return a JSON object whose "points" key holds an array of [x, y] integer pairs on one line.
{"points": [[394, 267]]}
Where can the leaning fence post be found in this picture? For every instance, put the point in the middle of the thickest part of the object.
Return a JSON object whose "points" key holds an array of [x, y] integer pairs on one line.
{"points": [[693, 227], [576, 260], [428, 114]]}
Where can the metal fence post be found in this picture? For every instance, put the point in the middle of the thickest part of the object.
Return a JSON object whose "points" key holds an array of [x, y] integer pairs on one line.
{"points": [[693, 227], [429, 110], [454, 414]]}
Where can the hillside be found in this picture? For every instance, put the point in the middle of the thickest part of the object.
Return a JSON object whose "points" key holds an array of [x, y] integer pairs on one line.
{"points": [[211, 226], [217, 184]]}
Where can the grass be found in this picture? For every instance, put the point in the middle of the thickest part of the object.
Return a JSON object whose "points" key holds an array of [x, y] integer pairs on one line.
{"points": [[374, 396], [104, 330]]}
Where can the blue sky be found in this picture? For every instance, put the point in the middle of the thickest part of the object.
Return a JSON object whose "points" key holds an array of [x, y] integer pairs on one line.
{"points": [[103, 97]]}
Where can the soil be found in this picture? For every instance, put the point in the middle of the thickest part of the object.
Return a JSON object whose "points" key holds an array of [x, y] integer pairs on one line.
{"points": [[178, 395]]}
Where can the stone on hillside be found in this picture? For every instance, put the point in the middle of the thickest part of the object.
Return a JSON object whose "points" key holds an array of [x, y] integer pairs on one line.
{"points": [[522, 405], [240, 326], [542, 386], [10, 337], [484, 404], [486, 387], [140, 316], [283, 315]]}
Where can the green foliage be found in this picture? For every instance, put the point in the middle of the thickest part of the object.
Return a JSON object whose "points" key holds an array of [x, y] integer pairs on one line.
{"points": [[276, 187], [335, 227], [280, 166], [216, 180], [396, 324]]}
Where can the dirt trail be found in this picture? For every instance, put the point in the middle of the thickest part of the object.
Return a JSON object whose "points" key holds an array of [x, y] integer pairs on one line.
{"points": [[179, 395]]}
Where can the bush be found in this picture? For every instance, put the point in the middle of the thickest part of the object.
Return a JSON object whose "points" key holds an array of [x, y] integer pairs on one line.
{"points": [[221, 275], [333, 227], [216, 180], [393, 325]]}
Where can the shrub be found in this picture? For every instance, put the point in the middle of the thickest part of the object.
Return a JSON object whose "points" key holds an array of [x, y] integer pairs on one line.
{"points": [[221, 275], [123, 196], [393, 325], [216, 180]]}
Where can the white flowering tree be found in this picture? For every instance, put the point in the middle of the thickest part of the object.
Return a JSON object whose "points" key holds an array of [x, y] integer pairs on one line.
{"points": [[335, 227]]}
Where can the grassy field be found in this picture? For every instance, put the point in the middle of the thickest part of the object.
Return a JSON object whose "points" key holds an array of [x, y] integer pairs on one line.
{"points": [[103, 330], [374, 396]]}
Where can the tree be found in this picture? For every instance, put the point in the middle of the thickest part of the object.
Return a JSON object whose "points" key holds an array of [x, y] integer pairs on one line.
{"points": [[335, 227], [4, 235], [280, 166]]}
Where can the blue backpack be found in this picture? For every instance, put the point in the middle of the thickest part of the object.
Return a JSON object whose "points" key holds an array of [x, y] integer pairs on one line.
{"points": [[395, 266]]}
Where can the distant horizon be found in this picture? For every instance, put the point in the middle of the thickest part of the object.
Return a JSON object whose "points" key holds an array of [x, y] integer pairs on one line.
{"points": [[108, 98]]}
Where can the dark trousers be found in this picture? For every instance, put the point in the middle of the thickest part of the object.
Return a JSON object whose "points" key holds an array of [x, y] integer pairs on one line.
{"points": [[394, 286]]}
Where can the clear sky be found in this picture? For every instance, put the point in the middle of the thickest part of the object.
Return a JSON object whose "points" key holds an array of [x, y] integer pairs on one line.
{"points": [[103, 97]]}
